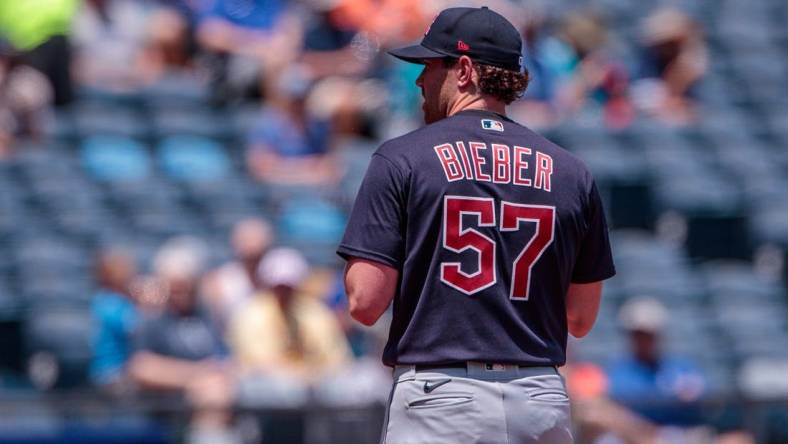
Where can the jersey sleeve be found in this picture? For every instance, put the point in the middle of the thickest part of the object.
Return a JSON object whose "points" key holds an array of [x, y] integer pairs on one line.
{"points": [[594, 260], [375, 228]]}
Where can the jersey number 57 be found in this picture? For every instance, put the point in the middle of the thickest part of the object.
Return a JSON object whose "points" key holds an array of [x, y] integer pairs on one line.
{"points": [[458, 239]]}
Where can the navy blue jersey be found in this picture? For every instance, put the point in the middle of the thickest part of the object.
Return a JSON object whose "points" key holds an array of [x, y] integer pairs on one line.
{"points": [[488, 223]]}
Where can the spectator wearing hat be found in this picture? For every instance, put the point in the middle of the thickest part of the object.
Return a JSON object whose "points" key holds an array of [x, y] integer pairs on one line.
{"points": [[651, 382], [229, 287], [284, 334], [673, 59], [593, 77]]}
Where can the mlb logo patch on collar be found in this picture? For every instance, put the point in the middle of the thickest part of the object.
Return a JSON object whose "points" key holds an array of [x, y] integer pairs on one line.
{"points": [[492, 125]]}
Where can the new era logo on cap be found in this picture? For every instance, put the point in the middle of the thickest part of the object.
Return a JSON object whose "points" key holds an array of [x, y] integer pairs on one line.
{"points": [[492, 125]]}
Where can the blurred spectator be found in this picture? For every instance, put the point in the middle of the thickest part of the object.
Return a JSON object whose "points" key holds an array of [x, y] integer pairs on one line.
{"points": [[599, 419], [171, 41], [180, 350], [25, 97], [115, 315], [230, 286], [149, 293], [571, 71], [252, 42], [331, 48], [108, 37], [386, 22], [283, 333], [348, 105], [181, 341], [591, 77], [39, 31], [673, 60], [654, 384], [288, 145], [536, 108]]}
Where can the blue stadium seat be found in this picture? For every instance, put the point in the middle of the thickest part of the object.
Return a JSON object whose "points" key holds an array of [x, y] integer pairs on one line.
{"points": [[737, 283], [747, 159], [193, 158], [642, 250], [714, 212], [66, 335], [201, 122], [10, 208], [163, 225], [230, 192], [99, 95], [355, 157], [311, 219], [313, 225], [141, 195], [115, 158], [769, 224], [40, 162], [752, 320], [177, 90], [97, 120], [44, 251], [765, 191], [59, 125], [624, 184]]}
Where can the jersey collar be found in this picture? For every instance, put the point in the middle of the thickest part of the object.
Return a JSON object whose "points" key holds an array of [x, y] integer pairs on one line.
{"points": [[481, 112]]}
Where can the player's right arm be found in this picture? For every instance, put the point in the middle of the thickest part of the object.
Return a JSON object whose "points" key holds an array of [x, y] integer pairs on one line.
{"points": [[373, 243], [370, 288]]}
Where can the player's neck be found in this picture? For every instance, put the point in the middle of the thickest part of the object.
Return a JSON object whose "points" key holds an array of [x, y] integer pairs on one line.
{"points": [[484, 103]]}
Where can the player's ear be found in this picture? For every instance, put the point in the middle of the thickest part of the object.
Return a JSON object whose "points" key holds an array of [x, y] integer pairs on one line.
{"points": [[465, 72]]}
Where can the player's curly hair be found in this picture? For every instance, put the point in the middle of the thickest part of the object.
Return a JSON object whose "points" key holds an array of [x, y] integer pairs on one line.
{"points": [[503, 84]]}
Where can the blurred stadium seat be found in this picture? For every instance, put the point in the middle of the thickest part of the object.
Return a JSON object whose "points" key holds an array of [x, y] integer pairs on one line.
{"points": [[65, 335], [114, 158], [193, 159]]}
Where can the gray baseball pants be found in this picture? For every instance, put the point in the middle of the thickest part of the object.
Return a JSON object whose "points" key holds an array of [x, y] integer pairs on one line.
{"points": [[482, 403]]}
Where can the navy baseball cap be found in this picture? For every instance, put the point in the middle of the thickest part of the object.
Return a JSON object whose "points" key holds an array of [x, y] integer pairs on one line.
{"points": [[480, 33]]}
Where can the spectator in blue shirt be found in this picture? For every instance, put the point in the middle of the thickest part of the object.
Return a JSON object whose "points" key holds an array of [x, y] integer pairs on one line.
{"points": [[288, 145], [251, 43], [115, 315], [654, 384]]}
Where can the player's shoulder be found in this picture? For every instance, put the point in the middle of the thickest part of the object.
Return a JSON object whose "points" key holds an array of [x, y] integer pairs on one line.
{"points": [[405, 151], [411, 140], [568, 160]]}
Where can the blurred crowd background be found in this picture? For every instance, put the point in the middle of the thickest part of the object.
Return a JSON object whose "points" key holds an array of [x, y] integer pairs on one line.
{"points": [[175, 176]]}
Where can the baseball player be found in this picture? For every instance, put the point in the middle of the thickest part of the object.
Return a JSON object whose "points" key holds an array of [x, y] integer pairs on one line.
{"points": [[490, 240]]}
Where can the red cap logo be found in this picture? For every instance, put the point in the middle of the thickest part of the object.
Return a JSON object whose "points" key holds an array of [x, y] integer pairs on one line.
{"points": [[462, 46]]}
